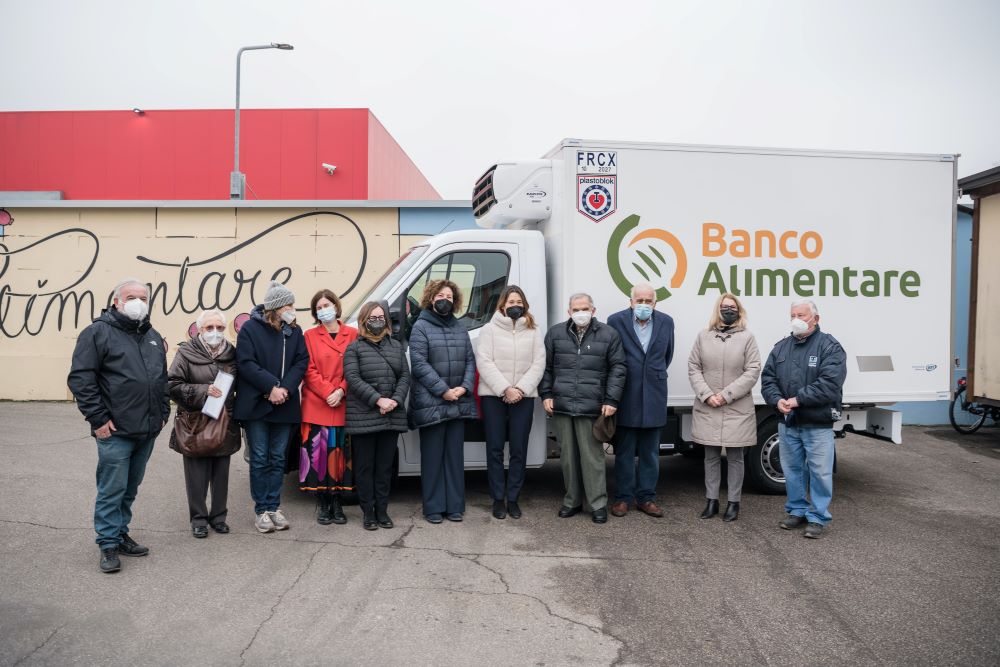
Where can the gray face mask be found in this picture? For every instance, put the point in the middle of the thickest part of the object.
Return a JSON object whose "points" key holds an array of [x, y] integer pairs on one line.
{"points": [[212, 338], [288, 316]]}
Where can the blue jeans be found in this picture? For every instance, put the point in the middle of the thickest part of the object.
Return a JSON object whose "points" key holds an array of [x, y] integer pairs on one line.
{"points": [[121, 465], [807, 459], [268, 442], [644, 442]]}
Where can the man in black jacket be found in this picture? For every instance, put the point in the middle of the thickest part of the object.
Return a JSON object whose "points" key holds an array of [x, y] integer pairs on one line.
{"points": [[119, 380], [584, 377], [804, 379]]}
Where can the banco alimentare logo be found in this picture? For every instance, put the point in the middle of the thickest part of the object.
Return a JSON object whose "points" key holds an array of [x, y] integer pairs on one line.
{"points": [[646, 258]]}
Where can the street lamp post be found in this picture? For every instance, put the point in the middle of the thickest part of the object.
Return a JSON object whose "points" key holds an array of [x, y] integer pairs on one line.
{"points": [[237, 181]]}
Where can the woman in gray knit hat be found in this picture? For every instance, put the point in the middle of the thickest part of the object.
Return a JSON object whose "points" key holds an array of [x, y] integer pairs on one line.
{"points": [[271, 357]]}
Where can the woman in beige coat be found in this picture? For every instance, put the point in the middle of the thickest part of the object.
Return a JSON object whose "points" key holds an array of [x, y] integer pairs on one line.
{"points": [[510, 358], [723, 368]]}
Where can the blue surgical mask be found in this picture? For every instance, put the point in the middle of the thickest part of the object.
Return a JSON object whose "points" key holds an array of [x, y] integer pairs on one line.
{"points": [[327, 314], [643, 311]]}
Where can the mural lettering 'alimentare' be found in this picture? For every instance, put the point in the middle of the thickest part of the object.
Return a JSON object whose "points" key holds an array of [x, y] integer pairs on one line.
{"points": [[32, 305]]}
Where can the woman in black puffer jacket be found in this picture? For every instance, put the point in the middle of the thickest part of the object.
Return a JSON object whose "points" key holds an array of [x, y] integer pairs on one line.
{"points": [[444, 370], [378, 380]]}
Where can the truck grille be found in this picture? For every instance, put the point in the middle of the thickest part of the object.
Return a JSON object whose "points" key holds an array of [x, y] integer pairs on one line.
{"points": [[483, 198]]}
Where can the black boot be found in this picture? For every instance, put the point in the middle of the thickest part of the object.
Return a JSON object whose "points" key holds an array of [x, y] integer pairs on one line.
{"points": [[732, 512], [382, 516], [324, 517], [499, 509], [370, 522], [337, 511], [711, 509]]}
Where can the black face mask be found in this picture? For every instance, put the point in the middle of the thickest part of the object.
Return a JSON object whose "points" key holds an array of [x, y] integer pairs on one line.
{"points": [[515, 312], [375, 327], [729, 316], [443, 307]]}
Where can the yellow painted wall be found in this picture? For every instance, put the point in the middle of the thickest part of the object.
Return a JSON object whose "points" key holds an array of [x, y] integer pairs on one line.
{"points": [[53, 259], [986, 377]]}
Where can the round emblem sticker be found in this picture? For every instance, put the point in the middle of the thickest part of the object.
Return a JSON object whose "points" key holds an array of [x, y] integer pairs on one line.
{"points": [[596, 200]]}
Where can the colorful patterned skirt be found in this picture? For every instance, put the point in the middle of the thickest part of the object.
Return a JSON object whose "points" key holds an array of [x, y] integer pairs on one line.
{"points": [[325, 459]]}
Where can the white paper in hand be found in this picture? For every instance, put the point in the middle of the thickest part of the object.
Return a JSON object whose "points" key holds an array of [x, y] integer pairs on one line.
{"points": [[213, 405]]}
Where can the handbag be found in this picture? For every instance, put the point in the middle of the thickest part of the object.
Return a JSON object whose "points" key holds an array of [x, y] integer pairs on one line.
{"points": [[197, 435]]}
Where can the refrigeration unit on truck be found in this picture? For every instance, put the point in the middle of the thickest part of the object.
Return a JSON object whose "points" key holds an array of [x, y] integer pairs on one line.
{"points": [[867, 236]]}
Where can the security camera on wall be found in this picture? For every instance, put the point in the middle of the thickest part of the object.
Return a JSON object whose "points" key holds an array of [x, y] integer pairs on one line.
{"points": [[330, 168]]}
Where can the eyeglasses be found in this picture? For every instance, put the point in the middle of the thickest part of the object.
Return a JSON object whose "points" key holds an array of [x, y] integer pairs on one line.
{"points": [[377, 318], [213, 328]]}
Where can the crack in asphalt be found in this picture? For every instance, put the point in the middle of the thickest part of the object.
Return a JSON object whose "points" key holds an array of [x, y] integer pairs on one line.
{"points": [[277, 603], [598, 630], [40, 646]]}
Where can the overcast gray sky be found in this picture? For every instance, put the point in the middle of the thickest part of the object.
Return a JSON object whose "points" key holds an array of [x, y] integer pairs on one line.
{"points": [[461, 84]]}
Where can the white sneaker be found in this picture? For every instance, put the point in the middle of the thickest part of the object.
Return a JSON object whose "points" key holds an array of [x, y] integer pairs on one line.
{"points": [[263, 523], [278, 520]]}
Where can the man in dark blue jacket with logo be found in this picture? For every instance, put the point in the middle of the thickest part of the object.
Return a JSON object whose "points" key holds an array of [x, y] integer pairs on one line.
{"points": [[804, 379], [648, 340], [119, 380]]}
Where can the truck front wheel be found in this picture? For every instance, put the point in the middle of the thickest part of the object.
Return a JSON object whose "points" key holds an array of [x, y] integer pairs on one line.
{"points": [[763, 465]]}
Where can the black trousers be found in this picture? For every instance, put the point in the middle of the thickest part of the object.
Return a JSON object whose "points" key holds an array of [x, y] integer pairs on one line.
{"points": [[373, 455], [200, 474], [504, 423]]}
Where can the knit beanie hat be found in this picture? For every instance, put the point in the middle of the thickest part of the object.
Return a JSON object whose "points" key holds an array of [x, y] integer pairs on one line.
{"points": [[277, 296]]}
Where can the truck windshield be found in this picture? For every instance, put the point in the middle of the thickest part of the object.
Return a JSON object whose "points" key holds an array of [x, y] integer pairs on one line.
{"points": [[388, 280]]}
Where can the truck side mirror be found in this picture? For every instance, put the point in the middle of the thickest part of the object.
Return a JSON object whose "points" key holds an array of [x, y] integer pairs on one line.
{"points": [[396, 322]]}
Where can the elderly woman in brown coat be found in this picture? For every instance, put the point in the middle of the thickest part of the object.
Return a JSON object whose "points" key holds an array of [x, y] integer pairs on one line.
{"points": [[723, 368], [206, 444]]}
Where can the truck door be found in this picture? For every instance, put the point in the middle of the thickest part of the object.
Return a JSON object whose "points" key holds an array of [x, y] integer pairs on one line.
{"points": [[481, 273]]}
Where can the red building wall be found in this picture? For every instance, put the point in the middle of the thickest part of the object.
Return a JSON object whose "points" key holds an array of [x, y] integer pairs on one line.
{"points": [[188, 154]]}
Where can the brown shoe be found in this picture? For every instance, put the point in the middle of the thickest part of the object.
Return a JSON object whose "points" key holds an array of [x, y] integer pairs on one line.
{"points": [[619, 508], [650, 508]]}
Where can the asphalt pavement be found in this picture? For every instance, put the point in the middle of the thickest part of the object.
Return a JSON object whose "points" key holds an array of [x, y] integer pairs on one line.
{"points": [[907, 573]]}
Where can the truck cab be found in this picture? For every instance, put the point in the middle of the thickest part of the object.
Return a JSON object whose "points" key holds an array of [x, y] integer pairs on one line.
{"points": [[482, 263]]}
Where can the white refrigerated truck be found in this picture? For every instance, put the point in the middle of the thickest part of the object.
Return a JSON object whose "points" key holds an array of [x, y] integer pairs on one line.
{"points": [[867, 236]]}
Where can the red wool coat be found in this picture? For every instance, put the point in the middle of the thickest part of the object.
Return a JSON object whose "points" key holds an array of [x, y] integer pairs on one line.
{"points": [[325, 374]]}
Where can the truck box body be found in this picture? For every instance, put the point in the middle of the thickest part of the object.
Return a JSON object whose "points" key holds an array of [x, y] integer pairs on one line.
{"points": [[868, 237]]}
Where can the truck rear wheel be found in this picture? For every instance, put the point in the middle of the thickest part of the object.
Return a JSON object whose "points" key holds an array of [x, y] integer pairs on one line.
{"points": [[763, 465]]}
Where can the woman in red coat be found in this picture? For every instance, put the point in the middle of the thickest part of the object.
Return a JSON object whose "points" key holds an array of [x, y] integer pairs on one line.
{"points": [[325, 454]]}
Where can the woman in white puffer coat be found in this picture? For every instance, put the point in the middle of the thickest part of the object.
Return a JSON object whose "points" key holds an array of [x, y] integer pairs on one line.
{"points": [[510, 358]]}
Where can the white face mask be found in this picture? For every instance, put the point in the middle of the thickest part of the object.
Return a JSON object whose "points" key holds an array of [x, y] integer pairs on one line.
{"points": [[582, 317], [212, 338], [135, 309], [799, 327], [288, 316], [327, 314]]}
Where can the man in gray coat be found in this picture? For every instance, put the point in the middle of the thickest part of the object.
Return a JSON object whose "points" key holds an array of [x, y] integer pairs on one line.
{"points": [[119, 380], [584, 377]]}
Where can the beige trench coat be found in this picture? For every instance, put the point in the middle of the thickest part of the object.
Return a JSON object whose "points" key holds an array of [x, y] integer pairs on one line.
{"points": [[726, 363]]}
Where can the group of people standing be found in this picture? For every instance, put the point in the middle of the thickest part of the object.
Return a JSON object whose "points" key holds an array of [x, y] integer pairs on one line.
{"points": [[342, 395]]}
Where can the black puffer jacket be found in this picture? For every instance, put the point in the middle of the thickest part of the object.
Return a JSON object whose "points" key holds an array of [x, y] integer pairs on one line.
{"points": [[581, 377], [442, 358], [373, 371], [119, 372], [191, 373], [811, 369]]}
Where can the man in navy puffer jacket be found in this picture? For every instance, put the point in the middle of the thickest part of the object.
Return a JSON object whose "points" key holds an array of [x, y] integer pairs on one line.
{"points": [[804, 379]]}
